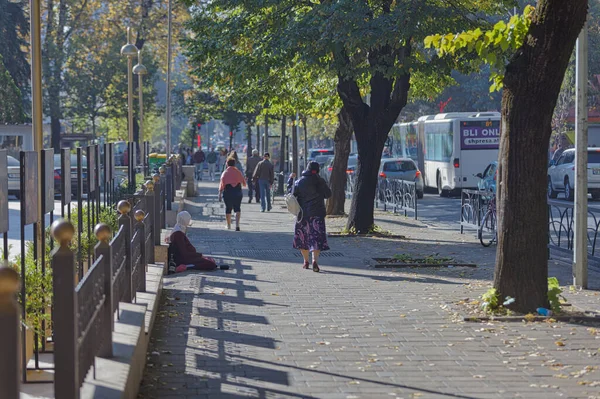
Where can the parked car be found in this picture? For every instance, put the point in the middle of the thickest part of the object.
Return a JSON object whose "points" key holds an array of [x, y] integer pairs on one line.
{"points": [[323, 161], [14, 177], [313, 153], [350, 169], [74, 186], [402, 169], [561, 174], [487, 179]]}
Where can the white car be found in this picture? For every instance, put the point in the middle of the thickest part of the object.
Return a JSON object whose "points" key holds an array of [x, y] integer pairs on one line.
{"points": [[561, 174]]}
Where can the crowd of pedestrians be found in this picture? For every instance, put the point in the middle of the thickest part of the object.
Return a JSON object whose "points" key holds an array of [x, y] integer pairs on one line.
{"points": [[310, 191]]}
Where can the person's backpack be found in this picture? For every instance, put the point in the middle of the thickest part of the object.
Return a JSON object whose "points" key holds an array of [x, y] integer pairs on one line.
{"points": [[293, 206]]}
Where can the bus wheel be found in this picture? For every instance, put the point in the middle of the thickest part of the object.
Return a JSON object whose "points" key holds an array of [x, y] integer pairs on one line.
{"points": [[441, 191]]}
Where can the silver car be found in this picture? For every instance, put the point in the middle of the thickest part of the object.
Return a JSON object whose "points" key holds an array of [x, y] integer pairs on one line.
{"points": [[402, 169], [14, 177], [561, 174]]}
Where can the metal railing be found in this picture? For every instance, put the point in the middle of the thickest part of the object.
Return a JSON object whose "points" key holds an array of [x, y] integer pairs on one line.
{"points": [[397, 196], [88, 296], [561, 225], [473, 206]]}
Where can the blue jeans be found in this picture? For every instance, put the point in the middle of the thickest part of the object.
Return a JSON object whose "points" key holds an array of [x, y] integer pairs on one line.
{"points": [[265, 194]]}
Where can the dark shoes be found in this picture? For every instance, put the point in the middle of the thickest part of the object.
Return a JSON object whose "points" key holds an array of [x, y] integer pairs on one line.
{"points": [[237, 229], [316, 267], [250, 200], [305, 266]]}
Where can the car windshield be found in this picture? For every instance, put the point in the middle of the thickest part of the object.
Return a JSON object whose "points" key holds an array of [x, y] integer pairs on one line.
{"points": [[399, 166], [12, 161], [353, 161]]}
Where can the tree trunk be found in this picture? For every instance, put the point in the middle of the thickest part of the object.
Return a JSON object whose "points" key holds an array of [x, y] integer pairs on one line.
{"points": [[337, 181], [258, 146], [532, 82], [249, 140], [266, 134], [372, 123]]}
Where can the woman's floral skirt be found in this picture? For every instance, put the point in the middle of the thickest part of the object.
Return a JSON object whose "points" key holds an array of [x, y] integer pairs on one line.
{"points": [[310, 234]]}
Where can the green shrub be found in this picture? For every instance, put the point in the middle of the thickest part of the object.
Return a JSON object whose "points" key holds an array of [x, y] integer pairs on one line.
{"points": [[554, 294]]}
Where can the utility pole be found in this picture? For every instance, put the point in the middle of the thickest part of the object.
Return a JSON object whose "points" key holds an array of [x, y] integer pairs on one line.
{"points": [[169, 57], [282, 155], [580, 254], [295, 166]]}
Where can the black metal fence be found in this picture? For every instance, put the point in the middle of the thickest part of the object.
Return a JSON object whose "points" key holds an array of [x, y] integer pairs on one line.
{"points": [[397, 196], [473, 206], [81, 263], [83, 329], [561, 224]]}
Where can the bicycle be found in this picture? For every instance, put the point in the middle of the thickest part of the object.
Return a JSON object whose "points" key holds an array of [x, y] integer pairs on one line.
{"points": [[488, 233]]}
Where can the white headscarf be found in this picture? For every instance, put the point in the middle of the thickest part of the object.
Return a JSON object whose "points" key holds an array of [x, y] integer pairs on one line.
{"points": [[184, 219]]}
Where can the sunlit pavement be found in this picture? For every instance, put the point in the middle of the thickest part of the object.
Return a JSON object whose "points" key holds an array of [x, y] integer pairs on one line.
{"points": [[268, 329]]}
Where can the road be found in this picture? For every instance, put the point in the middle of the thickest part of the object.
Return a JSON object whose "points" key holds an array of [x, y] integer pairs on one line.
{"points": [[14, 223]]}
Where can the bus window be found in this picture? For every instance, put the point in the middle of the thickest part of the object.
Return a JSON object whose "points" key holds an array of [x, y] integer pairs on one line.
{"points": [[439, 140]]}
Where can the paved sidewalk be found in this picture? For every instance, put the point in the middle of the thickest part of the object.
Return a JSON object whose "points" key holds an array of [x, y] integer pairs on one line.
{"points": [[268, 329]]}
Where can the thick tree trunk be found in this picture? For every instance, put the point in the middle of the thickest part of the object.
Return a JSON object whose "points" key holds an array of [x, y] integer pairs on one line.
{"points": [[266, 134], [337, 181], [531, 85], [248, 140], [372, 124]]}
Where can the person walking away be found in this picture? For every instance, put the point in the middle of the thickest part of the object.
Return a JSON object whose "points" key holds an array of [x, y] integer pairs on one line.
{"points": [[222, 161], [309, 233], [265, 175], [230, 190], [184, 253], [199, 158], [251, 164], [212, 159], [238, 164]]}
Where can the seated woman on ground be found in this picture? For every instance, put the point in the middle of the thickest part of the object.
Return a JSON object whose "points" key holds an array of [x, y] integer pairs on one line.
{"points": [[184, 253]]}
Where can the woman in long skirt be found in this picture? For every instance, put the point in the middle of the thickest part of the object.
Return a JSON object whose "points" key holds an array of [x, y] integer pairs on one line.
{"points": [[310, 235]]}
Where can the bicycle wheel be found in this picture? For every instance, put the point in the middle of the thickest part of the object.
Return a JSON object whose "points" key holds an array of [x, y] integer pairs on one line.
{"points": [[487, 230]]}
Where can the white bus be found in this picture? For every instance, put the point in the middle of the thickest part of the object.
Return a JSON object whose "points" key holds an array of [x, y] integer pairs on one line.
{"points": [[450, 149]]}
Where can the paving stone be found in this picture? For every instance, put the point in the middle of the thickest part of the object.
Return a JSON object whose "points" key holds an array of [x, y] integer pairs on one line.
{"points": [[267, 328]]}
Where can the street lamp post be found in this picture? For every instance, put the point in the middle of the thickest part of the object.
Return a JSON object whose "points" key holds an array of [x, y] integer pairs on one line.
{"points": [[169, 56], [129, 50], [140, 70]]}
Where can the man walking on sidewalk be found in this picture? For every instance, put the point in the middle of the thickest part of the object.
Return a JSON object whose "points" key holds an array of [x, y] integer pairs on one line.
{"points": [[265, 175], [251, 164], [212, 163], [198, 159]]}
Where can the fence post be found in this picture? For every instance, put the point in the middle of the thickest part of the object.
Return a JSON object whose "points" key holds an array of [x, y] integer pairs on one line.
{"points": [[103, 248], [156, 216], [66, 377], [163, 196], [141, 230], [151, 208], [124, 208], [169, 183], [9, 333]]}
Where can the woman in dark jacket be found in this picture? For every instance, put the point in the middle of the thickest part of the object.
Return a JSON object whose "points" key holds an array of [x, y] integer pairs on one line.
{"points": [[310, 234]]}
